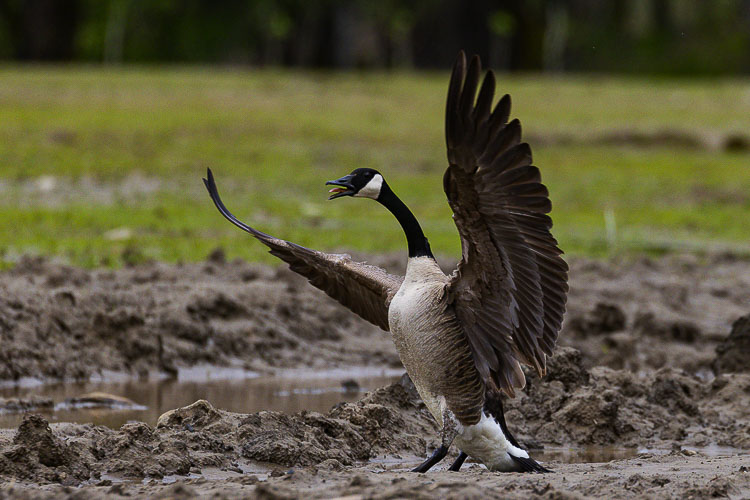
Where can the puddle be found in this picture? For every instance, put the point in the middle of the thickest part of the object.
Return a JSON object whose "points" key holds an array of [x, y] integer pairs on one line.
{"points": [[229, 389], [602, 454], [584, 455]]}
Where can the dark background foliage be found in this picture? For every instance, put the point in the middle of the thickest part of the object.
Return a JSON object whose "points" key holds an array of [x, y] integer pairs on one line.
{"points": [[623, 36]]}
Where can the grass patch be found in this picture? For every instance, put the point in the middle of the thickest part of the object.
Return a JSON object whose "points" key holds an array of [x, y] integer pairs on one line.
{"points": [[103, 166]]}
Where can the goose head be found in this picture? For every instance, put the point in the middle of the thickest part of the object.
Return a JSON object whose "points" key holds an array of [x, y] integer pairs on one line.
{"points": [[363, 182]]}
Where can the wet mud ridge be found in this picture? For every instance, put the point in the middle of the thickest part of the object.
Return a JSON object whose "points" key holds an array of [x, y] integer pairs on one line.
{"points": [[367, 447], [653, 356], [386, 422], [58, 322]]}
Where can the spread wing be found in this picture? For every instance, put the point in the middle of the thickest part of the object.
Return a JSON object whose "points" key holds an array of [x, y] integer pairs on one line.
{"points": [[366, 290], [510, 288]]}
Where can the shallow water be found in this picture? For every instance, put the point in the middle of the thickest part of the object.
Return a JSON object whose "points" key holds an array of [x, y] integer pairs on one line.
{"points": [[228, 389], [584, 455], [601, 454]]}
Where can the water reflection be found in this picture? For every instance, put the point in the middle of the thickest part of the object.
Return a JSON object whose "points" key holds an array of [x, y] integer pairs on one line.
{"points": [[584, 455], [289, 393]]}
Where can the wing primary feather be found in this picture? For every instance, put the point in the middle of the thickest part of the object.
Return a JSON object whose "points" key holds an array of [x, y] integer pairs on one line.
{"points": [[468, 93], [451, 108], [510, 287], [484, 101], [500, 141], [214, 193], [501, 113]]}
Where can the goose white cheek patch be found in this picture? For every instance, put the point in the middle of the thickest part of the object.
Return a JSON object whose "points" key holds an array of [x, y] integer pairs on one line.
{"points": [[372, 188]]}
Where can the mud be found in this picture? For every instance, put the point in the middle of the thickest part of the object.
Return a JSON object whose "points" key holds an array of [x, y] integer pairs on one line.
{"points": [[653, 356], [732, 353], [58, 322], [664, 138], [366, 448], [648, 314], [386, 422]]}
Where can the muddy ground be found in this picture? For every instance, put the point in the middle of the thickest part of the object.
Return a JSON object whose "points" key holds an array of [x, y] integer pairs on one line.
{"points": [[653, 356]]}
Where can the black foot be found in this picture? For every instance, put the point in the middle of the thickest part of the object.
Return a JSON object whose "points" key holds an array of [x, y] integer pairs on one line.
{"points": [[529, 465], [437, 456], [459, 462]]}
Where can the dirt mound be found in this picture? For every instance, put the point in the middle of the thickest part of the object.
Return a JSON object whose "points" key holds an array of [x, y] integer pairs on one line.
{"points": [[567, 367], [615, 407], [604, 318], [35, 454], [32, 403], [732, 355], [633, 369], [645, 314], [575, 407], [670, 138], [62, 322], [387, 421]]}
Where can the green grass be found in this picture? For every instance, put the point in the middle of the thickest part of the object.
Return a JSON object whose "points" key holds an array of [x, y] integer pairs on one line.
{"points": [[101, 166]]}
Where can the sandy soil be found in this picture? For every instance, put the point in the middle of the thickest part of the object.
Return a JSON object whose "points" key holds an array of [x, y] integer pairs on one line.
{"points": [[653, 355]]}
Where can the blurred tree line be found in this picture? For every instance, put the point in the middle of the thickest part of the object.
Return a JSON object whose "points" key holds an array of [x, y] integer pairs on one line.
{"points": [[651, 36]]}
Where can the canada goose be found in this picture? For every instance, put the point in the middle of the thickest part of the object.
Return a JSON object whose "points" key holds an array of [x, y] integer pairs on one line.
{"points": [[462, 338]]}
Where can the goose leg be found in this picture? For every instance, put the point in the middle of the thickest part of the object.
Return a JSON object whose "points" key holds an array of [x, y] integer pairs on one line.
{"points": [[447, 434], [459, 462], [436, 457]]}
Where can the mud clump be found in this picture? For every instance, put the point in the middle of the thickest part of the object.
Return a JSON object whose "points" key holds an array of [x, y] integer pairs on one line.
{"points": [[604, 318], [576, 407], [136, 451], [197, 415], [35, 435], [675, 391], [32, 403], [36, 453], [566, 366], [682, 331], [386, 421], [58, 322], [281, 439], [608, 407], [733, 354]]}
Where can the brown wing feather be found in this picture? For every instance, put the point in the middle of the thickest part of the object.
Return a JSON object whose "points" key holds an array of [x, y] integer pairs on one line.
{"points": [[510, 288], [366, 290]]}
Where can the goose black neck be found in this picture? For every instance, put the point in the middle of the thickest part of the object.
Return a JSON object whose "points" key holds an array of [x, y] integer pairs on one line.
{"points": [[415, 238]]}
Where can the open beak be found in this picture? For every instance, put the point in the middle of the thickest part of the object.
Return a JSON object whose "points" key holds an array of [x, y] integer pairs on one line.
{"points": [[344, 187]]}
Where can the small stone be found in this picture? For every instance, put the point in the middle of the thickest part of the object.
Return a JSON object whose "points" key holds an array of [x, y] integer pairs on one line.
{"points": [[217, 256], [350, 385], [198, 414]]}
